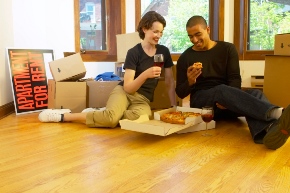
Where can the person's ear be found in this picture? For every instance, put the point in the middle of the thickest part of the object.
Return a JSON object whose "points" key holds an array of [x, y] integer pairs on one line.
{"points": [[208, 29], [144, 29]]}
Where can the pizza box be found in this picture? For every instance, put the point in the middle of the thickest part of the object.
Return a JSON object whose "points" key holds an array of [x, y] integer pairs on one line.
{"points": [[198, 127], [157, 127]]}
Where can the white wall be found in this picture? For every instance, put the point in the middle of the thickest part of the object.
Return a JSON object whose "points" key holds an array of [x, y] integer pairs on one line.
{"points": [[130, 16], [6, 39], [229, 21], [49, 24]]}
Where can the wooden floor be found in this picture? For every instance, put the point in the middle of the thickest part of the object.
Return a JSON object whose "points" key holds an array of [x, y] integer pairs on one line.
{"points": [[71, 158]]}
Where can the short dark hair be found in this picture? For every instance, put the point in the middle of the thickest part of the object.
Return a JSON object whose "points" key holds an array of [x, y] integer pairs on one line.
{"points": [[196, 20], [147, 21]]}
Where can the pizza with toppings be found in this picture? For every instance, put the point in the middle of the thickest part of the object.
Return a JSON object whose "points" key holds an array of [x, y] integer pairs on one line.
{"points": [[177, 117], [197, 65]]}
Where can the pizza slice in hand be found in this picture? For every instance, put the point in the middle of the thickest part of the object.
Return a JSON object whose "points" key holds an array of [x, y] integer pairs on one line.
{"points": [[197, 65]]}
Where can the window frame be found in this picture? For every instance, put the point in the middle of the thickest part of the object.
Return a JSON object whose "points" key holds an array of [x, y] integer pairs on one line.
{"points": [[216, 20], [241, 27], [116, 24]]}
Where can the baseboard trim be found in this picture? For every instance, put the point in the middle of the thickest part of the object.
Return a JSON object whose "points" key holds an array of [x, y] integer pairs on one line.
{"points": [[7, 109]]}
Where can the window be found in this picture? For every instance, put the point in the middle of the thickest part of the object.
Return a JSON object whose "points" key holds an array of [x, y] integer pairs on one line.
{"points": [[97, 22], [91, 26], [256, 23], [97, 41], [176, 13]]}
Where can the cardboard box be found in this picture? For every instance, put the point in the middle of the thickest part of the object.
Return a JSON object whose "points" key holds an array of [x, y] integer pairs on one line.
{"points": [[69, 68], [124, 43], [198, 127], [282, 44], [161, 98], [277, 79], [257, 81], [157, 127], [99, 92], [67, 95]]}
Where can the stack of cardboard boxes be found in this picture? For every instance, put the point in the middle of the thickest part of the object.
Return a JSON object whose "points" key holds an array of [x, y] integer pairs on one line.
{"points": [[65, 91], [277, 70], [68, 90]]}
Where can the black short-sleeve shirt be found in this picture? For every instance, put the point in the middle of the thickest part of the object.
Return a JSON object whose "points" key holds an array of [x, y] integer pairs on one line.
{"points": [[138, 60]]}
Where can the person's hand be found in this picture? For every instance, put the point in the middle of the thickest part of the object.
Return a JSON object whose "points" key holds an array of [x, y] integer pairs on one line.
{"points": [[153, 72], [220, 106], [192, 74]]}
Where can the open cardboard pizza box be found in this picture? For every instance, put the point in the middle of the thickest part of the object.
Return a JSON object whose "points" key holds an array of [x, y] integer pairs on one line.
{"points": [[157, 127]]}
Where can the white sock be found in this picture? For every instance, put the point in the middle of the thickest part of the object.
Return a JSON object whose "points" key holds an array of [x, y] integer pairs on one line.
{"points": [[276, 113]]}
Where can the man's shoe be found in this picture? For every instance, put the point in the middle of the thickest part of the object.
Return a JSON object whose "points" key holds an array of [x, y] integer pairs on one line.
{"points": [[52, 115], [279, 131], [93, 109]]}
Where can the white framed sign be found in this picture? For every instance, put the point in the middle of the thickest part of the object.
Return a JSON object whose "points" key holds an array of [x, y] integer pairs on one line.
{"points": [[27, 69]]}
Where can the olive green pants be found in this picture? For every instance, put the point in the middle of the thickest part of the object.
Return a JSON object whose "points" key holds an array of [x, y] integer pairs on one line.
{"points": [[120, 105]]}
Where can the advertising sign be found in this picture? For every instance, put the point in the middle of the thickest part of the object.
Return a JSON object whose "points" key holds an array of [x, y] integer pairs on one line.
{"points": [[28, 78]]}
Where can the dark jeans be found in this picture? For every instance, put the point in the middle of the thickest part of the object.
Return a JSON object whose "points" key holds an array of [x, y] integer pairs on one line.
{"points": [[251, 103]]}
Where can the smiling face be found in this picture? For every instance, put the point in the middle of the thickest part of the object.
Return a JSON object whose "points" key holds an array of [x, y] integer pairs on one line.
{"points": [[153, 34], [199, 36]]}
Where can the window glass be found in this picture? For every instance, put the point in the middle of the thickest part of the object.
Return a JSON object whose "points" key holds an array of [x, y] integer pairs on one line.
{"points": [[176, 13], [267, 18], [92, 25]]}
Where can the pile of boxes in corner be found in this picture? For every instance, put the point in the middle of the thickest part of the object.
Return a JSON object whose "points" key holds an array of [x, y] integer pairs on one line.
{"points": [[68, 90], [276, 72]]}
